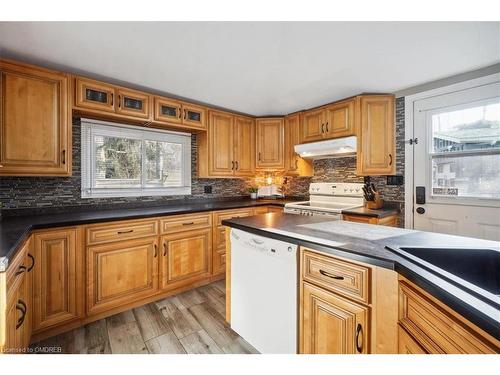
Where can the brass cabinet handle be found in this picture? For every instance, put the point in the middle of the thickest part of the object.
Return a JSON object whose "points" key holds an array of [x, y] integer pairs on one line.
{"points": [[331, 275], [185, 113], [21, 306], [164, 248], [125, 231], [180, 112], [359, 332], [64, 156], [32, 262], [390, 159]]}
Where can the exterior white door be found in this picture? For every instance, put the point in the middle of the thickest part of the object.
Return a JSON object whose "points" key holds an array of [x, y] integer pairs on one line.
{"points": [[456, 158]]}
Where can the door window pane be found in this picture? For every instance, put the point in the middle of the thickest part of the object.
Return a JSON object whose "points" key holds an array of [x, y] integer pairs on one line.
{"points": [[475, 128], [466, 176], [118, 162], [163, 164]]}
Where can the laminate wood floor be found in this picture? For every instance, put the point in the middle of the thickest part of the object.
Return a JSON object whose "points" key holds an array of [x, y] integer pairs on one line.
{"points": [[191, 322]]}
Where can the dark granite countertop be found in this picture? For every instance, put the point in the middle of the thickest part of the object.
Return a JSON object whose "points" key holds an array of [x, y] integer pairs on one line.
{"points": [[367, 243], [379, 213], [15, 229]]}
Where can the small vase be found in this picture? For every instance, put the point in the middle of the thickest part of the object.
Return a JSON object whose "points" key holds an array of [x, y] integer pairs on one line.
{"points": [[253, 195]]}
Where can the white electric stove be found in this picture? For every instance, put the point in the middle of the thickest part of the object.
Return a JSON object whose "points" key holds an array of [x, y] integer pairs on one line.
{"points": [[328, 199]]}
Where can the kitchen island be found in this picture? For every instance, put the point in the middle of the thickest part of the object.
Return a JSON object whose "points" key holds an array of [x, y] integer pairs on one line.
{"points": [[370, 246]]}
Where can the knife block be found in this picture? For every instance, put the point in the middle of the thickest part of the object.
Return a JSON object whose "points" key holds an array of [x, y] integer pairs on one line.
{"points": [[375, 204]]}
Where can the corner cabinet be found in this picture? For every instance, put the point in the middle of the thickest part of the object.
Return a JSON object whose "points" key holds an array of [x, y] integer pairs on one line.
{"points": [[34, 111], [227, 149], [269, 137], [294, 164], [376, 136]]}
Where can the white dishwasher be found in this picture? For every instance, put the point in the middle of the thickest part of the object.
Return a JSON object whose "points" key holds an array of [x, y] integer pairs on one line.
{"points": [[264, 292]]}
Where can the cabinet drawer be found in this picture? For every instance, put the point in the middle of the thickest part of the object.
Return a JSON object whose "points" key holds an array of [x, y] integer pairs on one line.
{"points": [[438, 330], [184, 223], [224, 215], [110, 232], [348, 279]]}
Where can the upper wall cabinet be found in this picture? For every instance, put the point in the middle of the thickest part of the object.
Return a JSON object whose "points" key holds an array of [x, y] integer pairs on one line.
{"points": [[105, 99], [35, 121], [332, 121], [227, 149], [269, 137], [376, 138], [169, 111], [294, 164]]}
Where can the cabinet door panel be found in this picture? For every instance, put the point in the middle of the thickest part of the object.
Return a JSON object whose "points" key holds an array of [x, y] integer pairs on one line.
{"points": [[168, 111], [294, 164], [194, 116], [340, 119], [17, 320], [186, 257], [244, 146], [133, 103], [96, 95], [331, 324], [312, 126], [121, 272], [376, 141], [57, 278], [270, 143], [221, 161], [34, 111]]}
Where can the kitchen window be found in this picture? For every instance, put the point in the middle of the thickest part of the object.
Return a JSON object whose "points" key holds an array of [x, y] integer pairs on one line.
{"points": [[124, 161]]}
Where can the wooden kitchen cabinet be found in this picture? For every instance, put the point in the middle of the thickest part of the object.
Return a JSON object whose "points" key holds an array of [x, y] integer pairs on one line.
{"points": [[227, 149], [194, 116], [389, 221], [34, 112], [95, 95], [270, 143], [185, 257], [339, 119], [332, 324], [376, 136], [294, 164], [133, 103], [121, 272], [244, 146], [312, 126], [167, 110], [57, 278], [407, 345]]}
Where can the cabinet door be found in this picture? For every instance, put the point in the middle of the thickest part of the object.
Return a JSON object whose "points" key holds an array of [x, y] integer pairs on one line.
{"points": [[168, 111], [220, 149], [244, 146], [340, 119], [376, 138], [219, 251], [185, 257], [331, 324], [16, 324], [121, 272], [312, 126], [133, 103], [92, 94], [35, 122], [270, 143], [58, 278], [194, 116]]}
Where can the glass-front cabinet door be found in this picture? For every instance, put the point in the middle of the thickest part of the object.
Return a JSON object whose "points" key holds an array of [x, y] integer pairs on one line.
{"points": [[167, 110], [132, 103], [193, 115], [94, 95]]}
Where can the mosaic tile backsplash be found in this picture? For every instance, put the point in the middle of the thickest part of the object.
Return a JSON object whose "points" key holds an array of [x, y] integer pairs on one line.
{"points": [[64, 192]]}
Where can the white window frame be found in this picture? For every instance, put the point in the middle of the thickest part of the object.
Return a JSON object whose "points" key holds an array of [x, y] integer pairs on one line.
{"points": [[89, 128], [410, 108]]}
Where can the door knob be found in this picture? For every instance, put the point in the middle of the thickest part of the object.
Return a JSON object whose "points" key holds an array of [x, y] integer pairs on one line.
{"points": [[420, 210]]}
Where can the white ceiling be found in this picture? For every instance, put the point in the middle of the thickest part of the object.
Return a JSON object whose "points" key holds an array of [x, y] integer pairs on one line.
{"points": [[255, 67]]}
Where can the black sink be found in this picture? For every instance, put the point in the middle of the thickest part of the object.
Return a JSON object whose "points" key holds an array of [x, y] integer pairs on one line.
{"points": [[479, 268]]}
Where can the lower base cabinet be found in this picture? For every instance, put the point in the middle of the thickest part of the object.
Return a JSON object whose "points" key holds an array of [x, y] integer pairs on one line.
{"points": [[186, 257], [18, 317], [58, 278], [121, 272], [332, 324]]}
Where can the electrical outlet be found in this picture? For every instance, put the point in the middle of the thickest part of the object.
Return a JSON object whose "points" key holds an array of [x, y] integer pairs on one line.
{"points": [[207, 189]]}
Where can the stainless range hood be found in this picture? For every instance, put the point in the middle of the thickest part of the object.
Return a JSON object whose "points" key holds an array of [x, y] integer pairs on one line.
{"points": [[332, 148]]}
